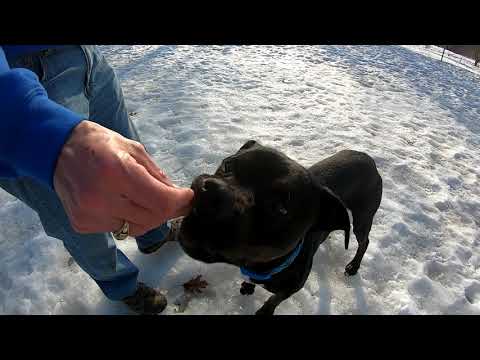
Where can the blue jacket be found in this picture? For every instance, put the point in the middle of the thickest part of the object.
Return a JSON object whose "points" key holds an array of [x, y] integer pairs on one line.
{"points": [[33, 128]]}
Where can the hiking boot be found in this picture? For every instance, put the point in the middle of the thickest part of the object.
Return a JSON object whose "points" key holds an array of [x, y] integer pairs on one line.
{"points": [[171, 236], [146, 301]]}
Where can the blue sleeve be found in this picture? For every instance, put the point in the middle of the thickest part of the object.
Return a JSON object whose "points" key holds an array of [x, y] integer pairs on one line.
{"points": [[3, 62], [33, 129]]}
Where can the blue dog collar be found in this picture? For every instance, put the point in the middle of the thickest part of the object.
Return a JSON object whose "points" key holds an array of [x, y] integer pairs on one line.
{"points": [[266, 276]]}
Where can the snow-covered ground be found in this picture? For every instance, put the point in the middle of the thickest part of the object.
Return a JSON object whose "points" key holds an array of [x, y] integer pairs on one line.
{"points": [[418, 117]]}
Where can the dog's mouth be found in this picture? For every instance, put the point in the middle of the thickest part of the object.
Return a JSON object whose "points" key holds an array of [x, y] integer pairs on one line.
{"points": [[199, 253]]}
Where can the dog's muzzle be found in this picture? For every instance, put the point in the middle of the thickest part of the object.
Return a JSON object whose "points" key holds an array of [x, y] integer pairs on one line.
{"points": [[213, 198]]}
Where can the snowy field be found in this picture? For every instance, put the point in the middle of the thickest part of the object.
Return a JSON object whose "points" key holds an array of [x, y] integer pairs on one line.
{"points": [[419, 118]]}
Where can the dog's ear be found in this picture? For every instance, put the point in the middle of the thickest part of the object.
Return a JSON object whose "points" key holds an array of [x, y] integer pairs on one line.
{"points": [[331, 212], [249, 144]]}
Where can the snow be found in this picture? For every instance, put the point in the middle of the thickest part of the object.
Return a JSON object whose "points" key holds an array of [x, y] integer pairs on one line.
{"points": [[416, 116]]}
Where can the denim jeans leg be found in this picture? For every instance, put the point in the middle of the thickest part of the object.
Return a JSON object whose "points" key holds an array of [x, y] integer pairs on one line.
{"points": [[152, 237], [107, 108]]}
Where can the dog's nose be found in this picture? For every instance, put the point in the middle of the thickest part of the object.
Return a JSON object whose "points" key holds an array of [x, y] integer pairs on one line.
{"points": [[201, 185], [213, 198], [212, 184]]}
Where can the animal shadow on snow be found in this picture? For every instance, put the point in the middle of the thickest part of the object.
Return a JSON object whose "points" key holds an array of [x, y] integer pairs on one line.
{"points": [[153, 270], [328, 264]]}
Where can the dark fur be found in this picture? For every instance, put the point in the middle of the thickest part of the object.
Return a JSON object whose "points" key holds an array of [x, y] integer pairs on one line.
{"points": [[260, 204]]}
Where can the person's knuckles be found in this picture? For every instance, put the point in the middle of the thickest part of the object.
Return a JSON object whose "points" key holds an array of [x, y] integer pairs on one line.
{"points": [[120, 162], [128, 165], [137, 148]]}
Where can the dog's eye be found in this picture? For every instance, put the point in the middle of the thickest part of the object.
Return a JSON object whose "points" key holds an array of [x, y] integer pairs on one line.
{"points": [[281, 209]]}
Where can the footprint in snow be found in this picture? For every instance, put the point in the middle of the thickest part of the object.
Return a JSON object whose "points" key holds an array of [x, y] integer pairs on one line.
{"points": [[472, 293]]}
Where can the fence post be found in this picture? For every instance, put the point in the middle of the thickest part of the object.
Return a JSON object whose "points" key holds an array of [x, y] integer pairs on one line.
{"points": [[442, 54]]}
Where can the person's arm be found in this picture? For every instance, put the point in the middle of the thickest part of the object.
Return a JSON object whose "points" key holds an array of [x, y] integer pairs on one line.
{"points": [[3, 62], [101, 177], [33, 129]]}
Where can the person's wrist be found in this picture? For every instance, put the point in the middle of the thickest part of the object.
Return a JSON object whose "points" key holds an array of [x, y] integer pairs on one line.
{"points": [[66, 150]]}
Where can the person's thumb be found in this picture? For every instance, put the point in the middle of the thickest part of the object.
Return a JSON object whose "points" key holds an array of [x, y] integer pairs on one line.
{"points": [[180, 201]]}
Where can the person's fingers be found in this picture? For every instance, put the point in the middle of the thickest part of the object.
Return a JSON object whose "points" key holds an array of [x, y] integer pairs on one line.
{"points": [[95, 224], [111, 225], [126, 209], [137, 230], [133, 228], [146, 191], [143, 158]]}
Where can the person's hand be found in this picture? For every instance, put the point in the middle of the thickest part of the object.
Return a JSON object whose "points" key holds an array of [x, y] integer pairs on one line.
{"points": [[103, 179]]}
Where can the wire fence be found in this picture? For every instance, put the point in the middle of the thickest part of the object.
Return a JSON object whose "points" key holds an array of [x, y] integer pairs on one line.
{"points": [[449, 56]]}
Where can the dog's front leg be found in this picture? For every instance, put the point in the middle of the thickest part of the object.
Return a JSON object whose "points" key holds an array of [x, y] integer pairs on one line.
{"points": [[269, 307]]}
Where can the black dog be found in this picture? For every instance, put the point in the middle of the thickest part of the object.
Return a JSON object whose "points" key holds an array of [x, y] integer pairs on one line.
{"points": [[266, 214]]}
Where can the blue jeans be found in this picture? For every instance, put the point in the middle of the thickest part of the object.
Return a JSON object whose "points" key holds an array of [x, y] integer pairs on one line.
{"points": [[79, 78]]}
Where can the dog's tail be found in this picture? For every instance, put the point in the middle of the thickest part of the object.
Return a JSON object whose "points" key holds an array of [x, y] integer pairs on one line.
{"points": [[347, 237]]}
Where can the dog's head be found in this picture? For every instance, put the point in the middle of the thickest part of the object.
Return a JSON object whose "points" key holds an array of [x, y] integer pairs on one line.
{"points": [[256, 208]]}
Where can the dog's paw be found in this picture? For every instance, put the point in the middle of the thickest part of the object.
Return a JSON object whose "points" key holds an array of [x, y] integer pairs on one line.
{"points": [[265, 310], [351, 269], [247, 288]]}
